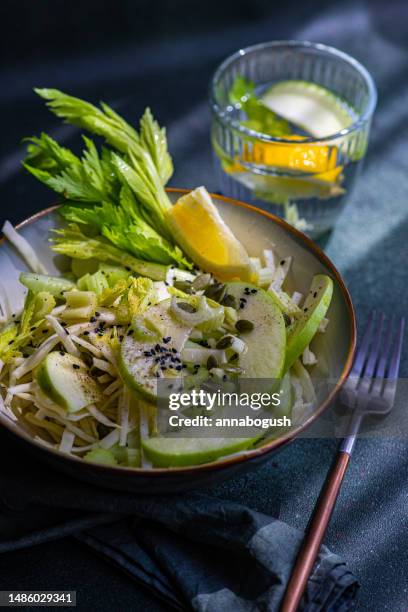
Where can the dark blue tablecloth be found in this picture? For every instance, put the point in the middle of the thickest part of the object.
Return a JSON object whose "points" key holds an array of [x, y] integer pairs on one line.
{"points": [[369, 246]]}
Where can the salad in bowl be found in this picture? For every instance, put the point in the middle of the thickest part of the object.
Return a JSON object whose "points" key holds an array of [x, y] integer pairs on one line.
{"points": [[151, 293]]}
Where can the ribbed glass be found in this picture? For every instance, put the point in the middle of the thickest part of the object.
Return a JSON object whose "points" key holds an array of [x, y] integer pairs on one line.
{"points": [[243, 157]]}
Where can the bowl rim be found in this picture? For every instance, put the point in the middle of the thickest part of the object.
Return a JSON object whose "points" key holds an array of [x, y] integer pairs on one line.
{"points": [[246, 455], [362, 119]]}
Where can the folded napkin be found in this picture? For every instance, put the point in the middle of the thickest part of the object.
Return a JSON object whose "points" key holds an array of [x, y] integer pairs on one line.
{"points": [[193, 551]]}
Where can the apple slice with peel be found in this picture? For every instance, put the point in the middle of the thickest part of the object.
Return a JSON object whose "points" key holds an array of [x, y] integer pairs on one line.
{"points": [[156, 334], [66, 380], [266, 342], [314, 310], [178, 452]]}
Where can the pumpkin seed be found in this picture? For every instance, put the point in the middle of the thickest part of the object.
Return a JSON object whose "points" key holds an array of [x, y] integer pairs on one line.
{"points": [[225, 342], [230, 300], [216, 292], [243, 325], [186, 307], [212, 362], [183, 286], [201, 282]]}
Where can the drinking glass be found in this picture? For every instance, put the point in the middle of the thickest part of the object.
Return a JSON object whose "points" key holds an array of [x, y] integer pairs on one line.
{"points": [[249, 163]]}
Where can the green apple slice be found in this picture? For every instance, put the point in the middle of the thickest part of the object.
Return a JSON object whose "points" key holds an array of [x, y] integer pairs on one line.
{"points": [[314, 310], [178, 452], [159, 334], [66, 380], [266, 343], [313, 108]]}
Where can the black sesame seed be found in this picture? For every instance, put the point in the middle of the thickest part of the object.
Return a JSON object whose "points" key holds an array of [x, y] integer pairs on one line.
{"points": [[130, 332], [86, 333], [282, 262], [315, 294], [127, 268], [93, 319], [224, 378], [173, 350], [44, 331], [97, 314], [178, 368], [254, 290], [62, 353], [75, 366], [166, 340]]}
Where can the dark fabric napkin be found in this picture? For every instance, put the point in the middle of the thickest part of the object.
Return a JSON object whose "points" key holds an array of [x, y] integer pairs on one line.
{"points": [[193, 551]]}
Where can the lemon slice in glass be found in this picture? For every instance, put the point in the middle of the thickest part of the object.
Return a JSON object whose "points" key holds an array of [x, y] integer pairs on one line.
{"points": [[199, 229]]}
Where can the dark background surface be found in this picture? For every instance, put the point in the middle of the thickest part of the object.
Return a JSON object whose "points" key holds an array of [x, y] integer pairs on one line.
{"points": [[163, 54]]}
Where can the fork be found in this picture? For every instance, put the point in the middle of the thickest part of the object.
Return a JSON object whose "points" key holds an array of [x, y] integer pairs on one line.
{"points": [[369, 390]]}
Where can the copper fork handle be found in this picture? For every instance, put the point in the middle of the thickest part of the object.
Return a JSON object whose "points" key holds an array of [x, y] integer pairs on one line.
{"points": [[315, 534]]}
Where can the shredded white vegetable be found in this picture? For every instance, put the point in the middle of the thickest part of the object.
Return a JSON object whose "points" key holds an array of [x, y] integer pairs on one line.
{"points": [[170, 277], [100, 417], [265, 277], [90, 347], [105, 366], [25, 396], [161, 290], [67, 441], [114, 386], [24, 248], [269, 259], [281, 272], [4, 304], [63, 335], [308, 391], [58, 310], [111, 439], [323, 325], [25, 388], [308, 357], [256, 263], [297, 297], [124, 417]]}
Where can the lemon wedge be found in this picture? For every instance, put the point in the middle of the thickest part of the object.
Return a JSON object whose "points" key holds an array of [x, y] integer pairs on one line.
{"points": [[201, 232]]}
